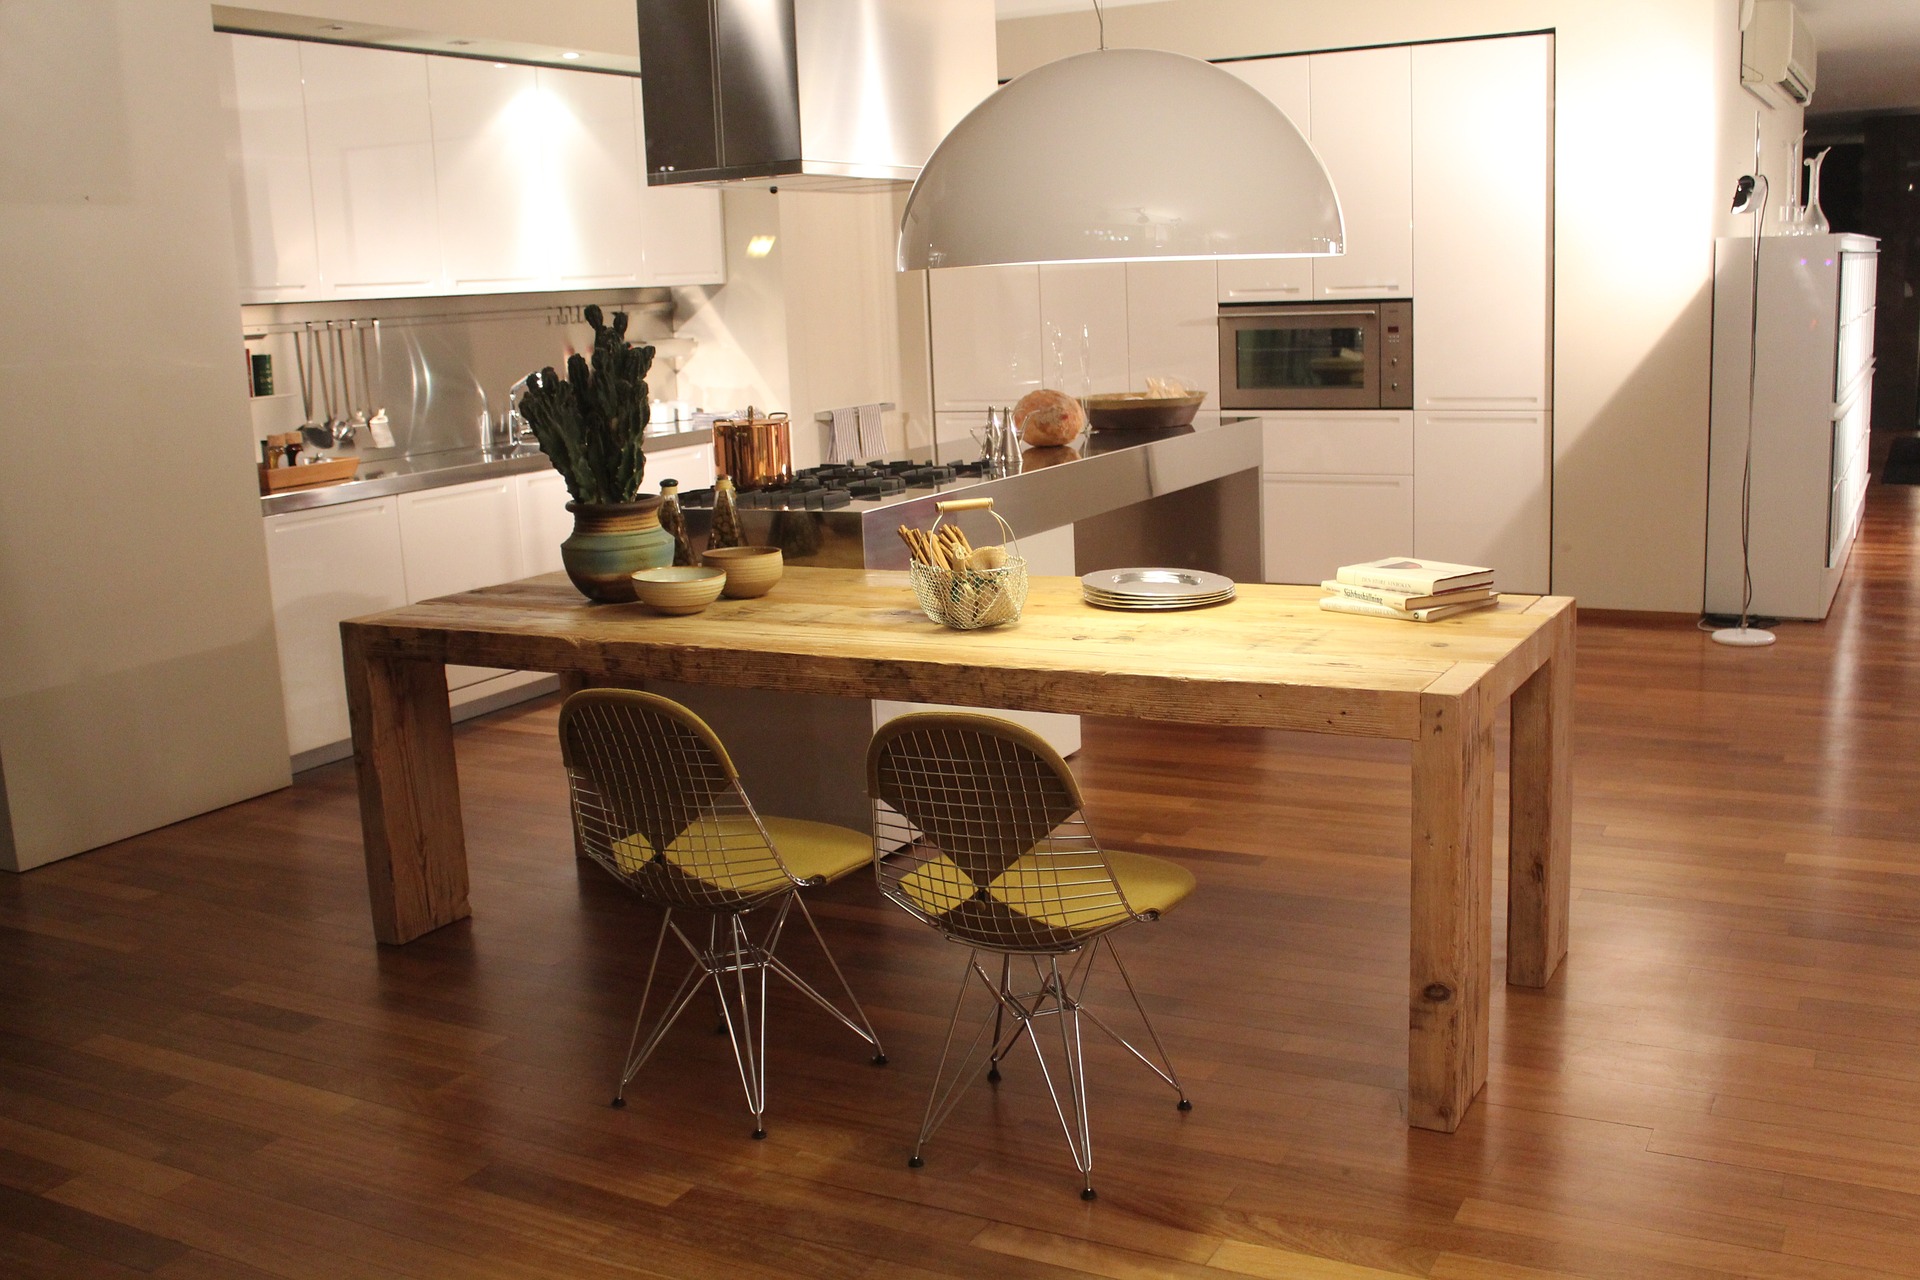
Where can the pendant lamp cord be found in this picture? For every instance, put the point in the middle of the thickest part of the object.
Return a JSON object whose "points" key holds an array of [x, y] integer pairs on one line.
{"points": [[1102, 17]]}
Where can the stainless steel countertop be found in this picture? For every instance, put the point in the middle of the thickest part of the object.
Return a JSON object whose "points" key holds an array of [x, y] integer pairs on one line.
{"points": [[1101, 472], [382, 477]]}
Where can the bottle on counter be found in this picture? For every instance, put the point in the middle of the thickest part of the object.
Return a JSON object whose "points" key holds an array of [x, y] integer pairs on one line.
{"points": [[725, 531], [674, 521]]}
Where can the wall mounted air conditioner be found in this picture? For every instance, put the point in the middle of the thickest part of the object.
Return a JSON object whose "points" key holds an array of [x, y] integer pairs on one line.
{"points": [[1777, 53]]}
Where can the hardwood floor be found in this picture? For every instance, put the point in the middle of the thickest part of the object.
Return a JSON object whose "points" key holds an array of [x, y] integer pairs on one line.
{"points": [[207, 1069]]}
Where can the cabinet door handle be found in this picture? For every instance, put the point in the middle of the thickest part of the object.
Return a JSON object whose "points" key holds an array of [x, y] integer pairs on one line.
{"points": [[1282, 288], [1362, 288]]}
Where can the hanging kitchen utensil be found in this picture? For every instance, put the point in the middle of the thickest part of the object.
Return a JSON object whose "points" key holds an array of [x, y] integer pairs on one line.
{"points": [[317, 435]]}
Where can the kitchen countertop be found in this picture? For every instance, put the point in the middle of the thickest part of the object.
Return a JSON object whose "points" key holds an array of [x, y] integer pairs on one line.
{"points": [[1100, 473], [378, 478]]}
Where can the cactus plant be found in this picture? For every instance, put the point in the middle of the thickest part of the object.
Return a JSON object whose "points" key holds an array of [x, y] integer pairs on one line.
{"points": [[590, 424]]}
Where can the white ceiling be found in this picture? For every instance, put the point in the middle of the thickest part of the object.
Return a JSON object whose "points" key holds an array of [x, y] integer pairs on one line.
{"points": [[1869, 54], [1028, 8]]}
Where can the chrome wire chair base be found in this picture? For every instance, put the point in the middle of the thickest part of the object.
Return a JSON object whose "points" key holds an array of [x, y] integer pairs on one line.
{"points": [[1055, 993], [737, 967]]}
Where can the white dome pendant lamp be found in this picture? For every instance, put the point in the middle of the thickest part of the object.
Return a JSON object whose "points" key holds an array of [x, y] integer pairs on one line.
{"points": [[1115, 155]]}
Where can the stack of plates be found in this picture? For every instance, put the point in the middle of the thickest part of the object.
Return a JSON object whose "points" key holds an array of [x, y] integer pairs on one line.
{"points": [[1155, 589]]}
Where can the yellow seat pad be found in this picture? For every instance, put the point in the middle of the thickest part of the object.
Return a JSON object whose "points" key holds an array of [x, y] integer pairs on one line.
{"points": [[1069, 892], [729, 852]]}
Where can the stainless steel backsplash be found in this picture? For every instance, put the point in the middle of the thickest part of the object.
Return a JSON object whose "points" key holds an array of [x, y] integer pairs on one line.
{"points": [[435, 364]]}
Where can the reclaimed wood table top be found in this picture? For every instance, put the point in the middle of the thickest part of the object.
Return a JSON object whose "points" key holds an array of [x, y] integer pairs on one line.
{"points": [[1271, 657]]}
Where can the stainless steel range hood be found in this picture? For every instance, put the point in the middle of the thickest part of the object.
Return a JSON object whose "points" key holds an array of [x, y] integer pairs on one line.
{"points": [[816, 93]]}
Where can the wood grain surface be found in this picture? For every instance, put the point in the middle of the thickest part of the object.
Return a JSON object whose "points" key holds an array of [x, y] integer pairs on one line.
{"points": [[206, 1070]]}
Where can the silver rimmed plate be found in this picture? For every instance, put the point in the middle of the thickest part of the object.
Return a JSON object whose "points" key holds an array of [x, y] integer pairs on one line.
{"points": [[1139, 605], [1158, 586]]}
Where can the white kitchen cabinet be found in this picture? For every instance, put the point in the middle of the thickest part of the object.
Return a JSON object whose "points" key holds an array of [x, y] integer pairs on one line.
{"points": [[325, 565], [682, 230], [1173, 325], [1083, 327], [458, 538], [691, 464], [1813, 393], [1313, 524], [594, 223], [986, 335], [1362, 130], [1484, 493], [1338, 442], [370, 139], [545, 522], [1285, 83], [487, 120], [1482, 248], [271, 183]]}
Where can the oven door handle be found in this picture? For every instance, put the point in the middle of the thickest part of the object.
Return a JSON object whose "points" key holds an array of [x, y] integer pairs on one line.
{"points": [[1299, 313]]}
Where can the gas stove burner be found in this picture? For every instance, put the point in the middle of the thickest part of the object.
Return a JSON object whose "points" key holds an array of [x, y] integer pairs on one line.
{"points": [[877, 487], [927, 477]]}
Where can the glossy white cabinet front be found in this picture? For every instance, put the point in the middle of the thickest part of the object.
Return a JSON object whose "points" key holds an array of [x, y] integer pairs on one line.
{"points": [[267, 167], [1362, 130], [987, 339], [1484, 493], [1337, 488], [370, 141], [323, 566], [1285, 82], [683, 232], [459, 538], [1481, 234]]}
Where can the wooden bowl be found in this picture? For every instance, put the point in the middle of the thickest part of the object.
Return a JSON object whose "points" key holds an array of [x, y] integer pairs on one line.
{"points": [[679, 589], [751, 571], [1137, 411]]}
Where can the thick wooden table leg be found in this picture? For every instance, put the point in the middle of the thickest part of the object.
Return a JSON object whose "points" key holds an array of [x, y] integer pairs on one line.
{"points": [[1452, 934], [1540, 818], [416, 848]]}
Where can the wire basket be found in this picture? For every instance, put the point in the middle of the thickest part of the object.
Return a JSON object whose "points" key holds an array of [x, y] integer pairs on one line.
{"points": [[969, 599]]}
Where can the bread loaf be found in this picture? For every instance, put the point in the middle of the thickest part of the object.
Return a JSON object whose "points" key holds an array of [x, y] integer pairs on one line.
{"points": [[1049, 418]]}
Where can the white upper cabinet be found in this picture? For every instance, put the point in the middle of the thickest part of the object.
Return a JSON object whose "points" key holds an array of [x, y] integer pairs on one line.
{"points": [[986, 335], [1285, 83], [370, 139], [1482, 177], [588, 148], [490, 130], [684, 233], [1362, 130], [1083, 327], [272, 186], [1173, 325]]}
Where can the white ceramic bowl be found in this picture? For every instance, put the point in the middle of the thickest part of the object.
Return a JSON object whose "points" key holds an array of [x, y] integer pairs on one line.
{"points": [[679, 589], [751, 571]]}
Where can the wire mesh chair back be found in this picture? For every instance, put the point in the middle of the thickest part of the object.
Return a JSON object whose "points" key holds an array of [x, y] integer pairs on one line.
{"points": [[979, 832], [656, 801]]}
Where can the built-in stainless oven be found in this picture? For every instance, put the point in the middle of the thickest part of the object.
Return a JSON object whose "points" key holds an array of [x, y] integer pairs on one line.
{"points": [[1310, 355]]}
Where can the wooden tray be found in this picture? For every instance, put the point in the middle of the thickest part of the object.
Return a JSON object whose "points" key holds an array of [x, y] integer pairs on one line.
{"points": [[332, 471]]}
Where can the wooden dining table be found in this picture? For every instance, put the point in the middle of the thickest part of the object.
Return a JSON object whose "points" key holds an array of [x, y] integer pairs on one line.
{"points": [[1270, 658]]}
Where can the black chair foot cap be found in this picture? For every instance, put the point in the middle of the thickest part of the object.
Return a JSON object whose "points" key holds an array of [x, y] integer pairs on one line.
{"points": [[619, 1102], [915, 1162], [1186, 1104], [1089, 1194], [993, 1075], [759, 1134], [879, 1059]]}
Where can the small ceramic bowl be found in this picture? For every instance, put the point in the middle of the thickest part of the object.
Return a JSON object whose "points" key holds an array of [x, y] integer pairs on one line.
{"points": [[751, 571], [679, 589]]}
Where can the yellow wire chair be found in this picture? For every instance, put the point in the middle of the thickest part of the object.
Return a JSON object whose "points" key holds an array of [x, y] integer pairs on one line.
{"points": [[657, 801], [979, 832]]}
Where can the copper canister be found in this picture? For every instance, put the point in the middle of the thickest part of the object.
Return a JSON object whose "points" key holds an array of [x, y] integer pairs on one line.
{"points": [[756, 452]]}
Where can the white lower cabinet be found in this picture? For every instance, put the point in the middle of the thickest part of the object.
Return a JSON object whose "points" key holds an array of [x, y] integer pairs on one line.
{"points": [[323, 566], [1336, 488], [690, 464], [1315, 524], [459, 538], [1484, 494], [545, 522]]}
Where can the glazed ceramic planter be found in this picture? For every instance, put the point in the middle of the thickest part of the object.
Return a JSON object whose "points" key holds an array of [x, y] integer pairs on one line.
{"points": [[609, 542]]}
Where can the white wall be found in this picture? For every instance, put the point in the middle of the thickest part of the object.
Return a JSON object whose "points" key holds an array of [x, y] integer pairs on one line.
{"points": [[1650, 131], [138, 678]]}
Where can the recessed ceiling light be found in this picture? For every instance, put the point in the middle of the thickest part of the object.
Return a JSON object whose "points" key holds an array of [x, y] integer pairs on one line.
{"points": [[570, 55]]}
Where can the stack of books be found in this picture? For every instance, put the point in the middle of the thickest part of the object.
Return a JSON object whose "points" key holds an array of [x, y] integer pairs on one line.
{"points": [[1414, 590]]}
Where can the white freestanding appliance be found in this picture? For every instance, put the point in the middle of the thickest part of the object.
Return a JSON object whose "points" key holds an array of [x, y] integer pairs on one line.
{"points": [[1811, 407]]}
